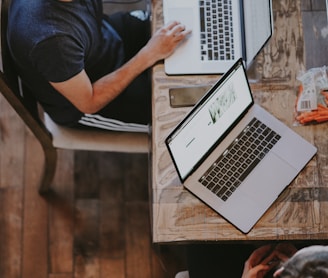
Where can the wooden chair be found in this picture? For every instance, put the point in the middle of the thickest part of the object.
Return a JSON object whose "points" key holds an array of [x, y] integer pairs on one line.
{"points": [[50, 135]]}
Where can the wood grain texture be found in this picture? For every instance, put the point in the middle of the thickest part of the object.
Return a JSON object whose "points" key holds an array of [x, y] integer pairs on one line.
{"points": [[298, 214], [95, 224], [35, 229], [103, 190]]}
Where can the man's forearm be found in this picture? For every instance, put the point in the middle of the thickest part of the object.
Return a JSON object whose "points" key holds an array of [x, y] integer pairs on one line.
{"points": [[111, 85], [90, 98]]}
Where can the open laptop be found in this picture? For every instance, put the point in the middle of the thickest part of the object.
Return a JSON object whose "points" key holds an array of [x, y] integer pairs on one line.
{"points": [[222, 31], [225, 126]]}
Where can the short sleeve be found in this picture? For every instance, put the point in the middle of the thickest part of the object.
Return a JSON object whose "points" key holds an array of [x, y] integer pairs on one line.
{"points": [[58, 58]]}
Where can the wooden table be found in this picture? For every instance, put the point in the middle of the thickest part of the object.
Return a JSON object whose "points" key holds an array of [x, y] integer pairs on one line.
{"points": [[301, 212]]}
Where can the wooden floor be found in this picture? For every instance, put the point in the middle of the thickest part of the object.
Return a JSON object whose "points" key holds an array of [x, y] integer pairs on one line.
{"points": [[98, 223]]}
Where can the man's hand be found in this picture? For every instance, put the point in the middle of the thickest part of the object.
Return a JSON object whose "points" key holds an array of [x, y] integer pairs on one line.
{"points": [[165, 40], [265, 258]]}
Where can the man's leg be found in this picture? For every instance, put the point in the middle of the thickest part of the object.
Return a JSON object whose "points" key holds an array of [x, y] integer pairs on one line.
{"points": [[134, 29]]}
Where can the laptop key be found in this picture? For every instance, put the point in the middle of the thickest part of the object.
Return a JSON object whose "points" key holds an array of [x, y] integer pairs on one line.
{"points": [[239, 159], [249, 169]]}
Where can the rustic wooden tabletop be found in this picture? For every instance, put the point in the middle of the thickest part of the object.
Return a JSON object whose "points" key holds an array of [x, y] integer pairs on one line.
{"points": [[299, 213]]}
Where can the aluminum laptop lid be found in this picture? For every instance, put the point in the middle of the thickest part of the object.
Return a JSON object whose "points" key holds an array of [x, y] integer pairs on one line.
{"points": [[187, 58], [252, 28], [208, 130]]}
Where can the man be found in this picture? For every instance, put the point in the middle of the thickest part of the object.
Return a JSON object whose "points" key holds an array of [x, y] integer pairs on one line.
{"points": [[281, 260], [87, 69], [264, 260], [309, 262]]}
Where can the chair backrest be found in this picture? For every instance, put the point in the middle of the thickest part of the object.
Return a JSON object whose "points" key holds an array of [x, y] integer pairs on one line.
{"points": [[11, 88]]}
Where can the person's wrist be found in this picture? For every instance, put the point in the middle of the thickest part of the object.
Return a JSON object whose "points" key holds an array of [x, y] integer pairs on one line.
{"points": [[148, 57]]}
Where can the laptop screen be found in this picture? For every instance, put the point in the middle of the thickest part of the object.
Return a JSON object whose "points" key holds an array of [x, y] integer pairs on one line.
{"points": [[257, 26], [210, 120]]}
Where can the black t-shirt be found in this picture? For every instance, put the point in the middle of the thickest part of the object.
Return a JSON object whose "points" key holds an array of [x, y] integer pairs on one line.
{"points": [[53, 41]]}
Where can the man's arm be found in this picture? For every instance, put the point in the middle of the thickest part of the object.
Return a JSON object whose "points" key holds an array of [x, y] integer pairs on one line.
{"points": [[90, 98]]}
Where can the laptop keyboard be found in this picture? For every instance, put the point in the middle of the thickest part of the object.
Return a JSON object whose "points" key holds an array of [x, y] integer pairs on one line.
{"points": [[239, 159], [216, 30]]}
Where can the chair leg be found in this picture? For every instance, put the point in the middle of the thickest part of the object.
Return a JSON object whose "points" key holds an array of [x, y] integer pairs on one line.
{"points": [[48, 170]]}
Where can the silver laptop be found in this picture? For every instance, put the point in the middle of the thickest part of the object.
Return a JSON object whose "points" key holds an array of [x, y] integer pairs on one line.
{"points": [[222, 31], [234, 155]]}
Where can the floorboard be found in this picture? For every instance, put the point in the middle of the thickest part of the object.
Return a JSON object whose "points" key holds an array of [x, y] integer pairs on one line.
{"points": [[35, 214]]}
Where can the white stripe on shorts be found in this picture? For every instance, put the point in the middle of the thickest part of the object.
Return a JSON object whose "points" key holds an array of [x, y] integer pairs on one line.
{"points": [[94, 120]]}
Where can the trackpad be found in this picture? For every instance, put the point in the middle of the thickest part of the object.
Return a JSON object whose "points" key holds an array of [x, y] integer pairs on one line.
{"points": [[270, 178], [183, 15]]}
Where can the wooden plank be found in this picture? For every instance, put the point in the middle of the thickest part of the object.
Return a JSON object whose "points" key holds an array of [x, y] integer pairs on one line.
{"points": [[12, 136], [35, 230], [321, 141], [12, 147], [86, 174], [87, 206], [306, 5], [283, 57], [61, 215], [136, 182], [10, 231], [112, 217], [86, 238], [138, 242], [318, 5], [315, 38], [111, 176], [60, 275], [112, 237]]}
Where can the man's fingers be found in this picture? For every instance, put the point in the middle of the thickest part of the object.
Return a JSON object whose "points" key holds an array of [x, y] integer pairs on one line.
{"points": [[259, 254], [177, 28], [254, 272]]}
